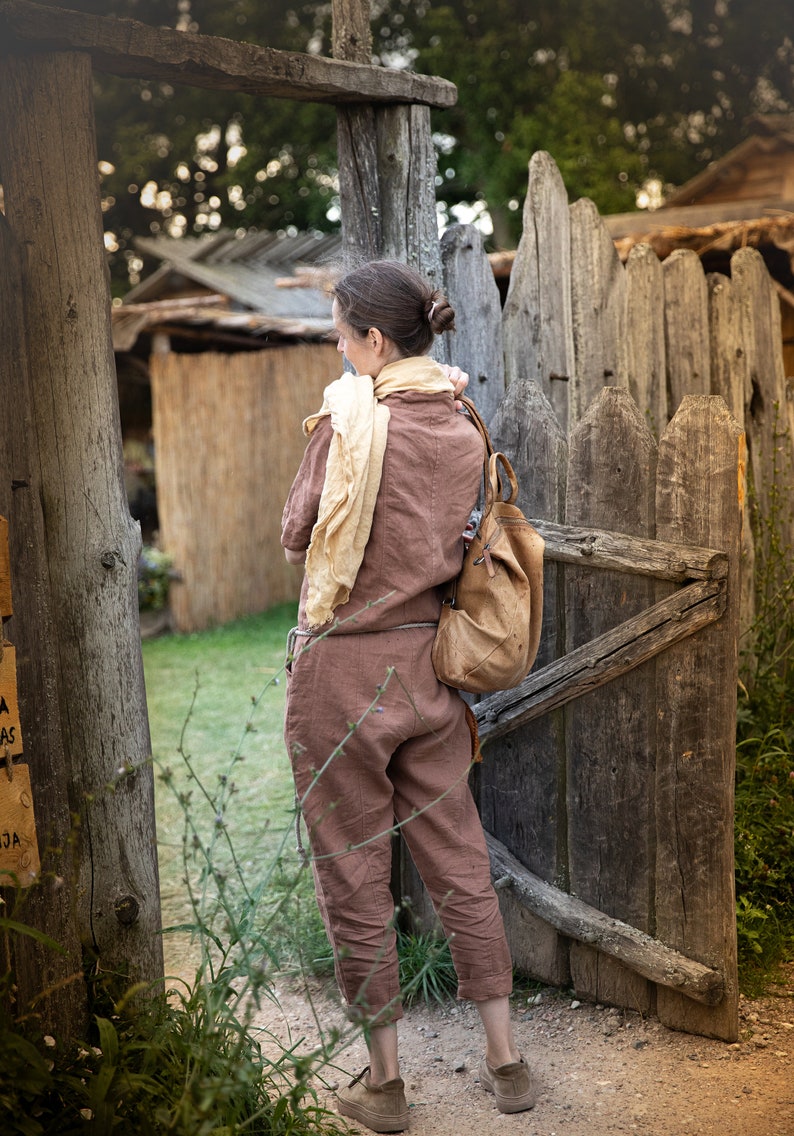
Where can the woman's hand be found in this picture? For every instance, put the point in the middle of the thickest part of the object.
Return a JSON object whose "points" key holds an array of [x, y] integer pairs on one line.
{"points": [[295, 556], [459, 380]]}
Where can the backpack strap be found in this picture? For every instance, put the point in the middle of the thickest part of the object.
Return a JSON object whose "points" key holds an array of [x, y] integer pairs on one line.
{"points": [[493, 477]]}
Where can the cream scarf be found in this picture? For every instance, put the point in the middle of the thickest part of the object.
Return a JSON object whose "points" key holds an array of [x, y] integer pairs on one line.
{"points": [[352, 476]]}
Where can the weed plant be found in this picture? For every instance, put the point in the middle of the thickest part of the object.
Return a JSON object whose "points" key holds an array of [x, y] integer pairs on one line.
{"points": [[427, 972], [187, 1058], [764, 826], [190, 1058]]}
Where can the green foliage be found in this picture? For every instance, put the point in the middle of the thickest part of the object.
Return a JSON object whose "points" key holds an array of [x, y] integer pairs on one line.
{"points": [[765, 746], [617, 91], [201, 690], [427, 973], [155, 572], [764, 844], [184, 1066]]}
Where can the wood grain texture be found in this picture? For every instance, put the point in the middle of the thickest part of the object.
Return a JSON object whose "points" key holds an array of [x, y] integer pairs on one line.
{"points": [[522, 778], [573, 544], [646, 368], [623, 944], [476, 345], [731, 378], [538, 334], [696, 721], [610, 655], [598, 304], [686, 316], [609, 732], [80, 671], [127, 47], [6, 601], [769, 420]]}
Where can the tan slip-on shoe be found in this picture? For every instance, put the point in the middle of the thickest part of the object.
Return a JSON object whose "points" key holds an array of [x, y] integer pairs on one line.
{"points": [[382, 1108], [513, 1085]]}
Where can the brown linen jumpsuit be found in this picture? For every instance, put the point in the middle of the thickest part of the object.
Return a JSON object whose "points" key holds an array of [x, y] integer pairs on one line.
{"points": [[373, 736]]}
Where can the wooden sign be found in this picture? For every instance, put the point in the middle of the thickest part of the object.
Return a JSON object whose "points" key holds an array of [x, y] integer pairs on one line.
{"points": [[19, 852], [5, 572], [10, 729]]}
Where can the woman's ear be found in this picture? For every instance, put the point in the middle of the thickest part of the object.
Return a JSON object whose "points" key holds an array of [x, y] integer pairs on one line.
{"points": [[376, 340]]}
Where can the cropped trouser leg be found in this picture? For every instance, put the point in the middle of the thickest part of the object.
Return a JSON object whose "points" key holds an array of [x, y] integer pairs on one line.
{"points": [[407, 757]]}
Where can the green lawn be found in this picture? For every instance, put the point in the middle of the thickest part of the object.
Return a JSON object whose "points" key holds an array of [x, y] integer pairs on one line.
{"points": [[219, 696]]}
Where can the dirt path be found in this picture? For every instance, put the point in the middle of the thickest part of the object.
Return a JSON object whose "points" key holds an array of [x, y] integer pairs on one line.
{"points": [[602, 1070]]}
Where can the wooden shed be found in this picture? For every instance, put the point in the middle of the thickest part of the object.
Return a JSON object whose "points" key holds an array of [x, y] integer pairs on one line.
{"points": [[220, 353], [744, 199]]}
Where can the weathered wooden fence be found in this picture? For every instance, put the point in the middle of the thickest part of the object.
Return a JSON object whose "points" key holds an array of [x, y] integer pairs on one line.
{"points": [[607, 785], [228, 442]]}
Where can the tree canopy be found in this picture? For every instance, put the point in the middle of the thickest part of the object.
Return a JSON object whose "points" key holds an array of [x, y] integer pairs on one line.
{"points": [[628, 96]]}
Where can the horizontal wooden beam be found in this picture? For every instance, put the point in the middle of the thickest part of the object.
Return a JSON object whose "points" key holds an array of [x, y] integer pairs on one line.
{"points": [[570, 916], [597, 548], [127, 47], [694, 216], [602, 659]]}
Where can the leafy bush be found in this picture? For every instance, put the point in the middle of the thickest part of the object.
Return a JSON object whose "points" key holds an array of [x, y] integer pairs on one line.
{"points": [[764, 827], [155, 573], [764, 844]]}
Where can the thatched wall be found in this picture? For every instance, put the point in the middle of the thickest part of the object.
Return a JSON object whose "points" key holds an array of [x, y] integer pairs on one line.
{"points": [[227, 445]]}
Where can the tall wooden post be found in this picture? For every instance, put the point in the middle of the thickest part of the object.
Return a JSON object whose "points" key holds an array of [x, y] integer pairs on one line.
{"points": [[74, 547], [387, 165], [387, 170]]}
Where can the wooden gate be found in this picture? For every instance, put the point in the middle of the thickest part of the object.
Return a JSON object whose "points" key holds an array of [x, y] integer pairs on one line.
{"points": [[609, 772], [607, 783]]}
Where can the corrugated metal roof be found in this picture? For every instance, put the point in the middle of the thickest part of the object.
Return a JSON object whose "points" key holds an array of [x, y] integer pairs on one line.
{"points": [[245, 268]]}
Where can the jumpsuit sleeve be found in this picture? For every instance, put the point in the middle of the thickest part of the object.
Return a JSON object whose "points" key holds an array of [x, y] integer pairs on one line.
{"points": [[303, 502]]}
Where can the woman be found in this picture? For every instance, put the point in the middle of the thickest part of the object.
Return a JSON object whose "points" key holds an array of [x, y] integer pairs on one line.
{"points": [[383, 494]]}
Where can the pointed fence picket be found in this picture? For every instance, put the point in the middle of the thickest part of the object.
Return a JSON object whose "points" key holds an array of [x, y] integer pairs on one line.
{"points": [[531, 823], [769, 417], [598, 302], [609, 739], [470, 287], [537, 323], [696, 683], [686, 327], [646, 356]]}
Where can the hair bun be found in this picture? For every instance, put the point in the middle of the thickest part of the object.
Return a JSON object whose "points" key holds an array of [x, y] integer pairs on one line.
{"points": [[440, 314]]}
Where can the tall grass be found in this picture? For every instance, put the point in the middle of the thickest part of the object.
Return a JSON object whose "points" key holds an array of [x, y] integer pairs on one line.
{"points": [[216, 706], [190, 1057], [765, 752]]}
